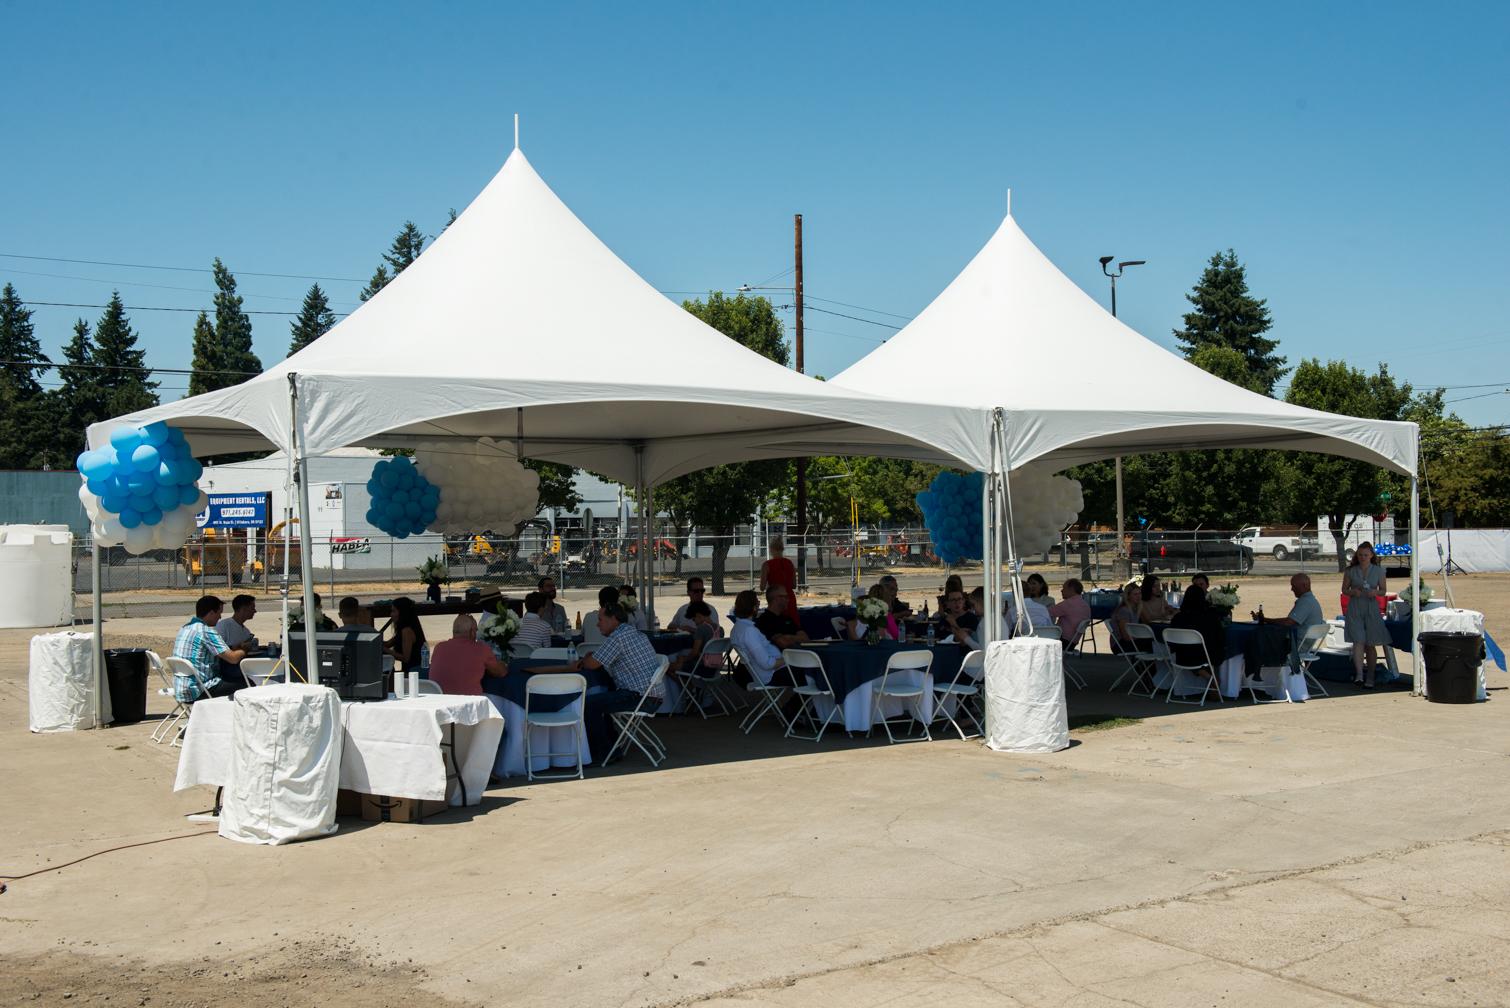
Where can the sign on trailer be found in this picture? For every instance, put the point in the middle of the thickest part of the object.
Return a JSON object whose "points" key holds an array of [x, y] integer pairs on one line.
{"points": [[227, 511]]}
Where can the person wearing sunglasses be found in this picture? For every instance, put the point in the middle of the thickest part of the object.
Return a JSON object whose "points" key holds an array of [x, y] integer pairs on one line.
{"points": [[682, 621]]}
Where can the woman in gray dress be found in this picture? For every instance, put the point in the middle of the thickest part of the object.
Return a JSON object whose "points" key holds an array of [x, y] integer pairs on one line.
{"points": [[1363, 586]]}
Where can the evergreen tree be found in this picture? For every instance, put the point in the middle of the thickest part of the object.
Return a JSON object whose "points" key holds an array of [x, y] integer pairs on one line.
{"points": [[125, 385], [25, 417], [206, 363], [233, 332], [80, 400], [406, 247], [315, 319], [1226, 315], [379, 280]]}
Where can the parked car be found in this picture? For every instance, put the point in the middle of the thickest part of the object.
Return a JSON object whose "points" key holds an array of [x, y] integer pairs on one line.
{"points": [[1281, 544], [1190, 551]]}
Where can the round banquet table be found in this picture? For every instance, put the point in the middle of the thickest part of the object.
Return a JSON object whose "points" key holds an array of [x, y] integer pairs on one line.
{"points": [[854, 668], [817, 621], [507, 694]]}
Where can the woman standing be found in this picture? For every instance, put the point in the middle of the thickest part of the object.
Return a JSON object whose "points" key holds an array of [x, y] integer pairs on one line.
{"points": [[1363, 586], [778, 570]]}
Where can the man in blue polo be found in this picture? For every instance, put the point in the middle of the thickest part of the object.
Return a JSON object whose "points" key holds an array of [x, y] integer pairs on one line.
{"points": [[631, 661], [199, 644]]}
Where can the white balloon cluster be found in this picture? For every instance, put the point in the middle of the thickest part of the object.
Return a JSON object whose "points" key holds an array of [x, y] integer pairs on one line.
{"points": [[1042, 505], [481, 486]]}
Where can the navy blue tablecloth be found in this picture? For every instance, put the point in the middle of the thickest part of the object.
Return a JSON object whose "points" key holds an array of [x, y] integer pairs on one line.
{"points": [[817, 621], [667, 643], [561, 640], [851, 663], [1103, 609], [511, 687]]}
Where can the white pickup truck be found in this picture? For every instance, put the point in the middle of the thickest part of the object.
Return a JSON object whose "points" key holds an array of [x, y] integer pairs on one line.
{"points": [[1281, 544]]}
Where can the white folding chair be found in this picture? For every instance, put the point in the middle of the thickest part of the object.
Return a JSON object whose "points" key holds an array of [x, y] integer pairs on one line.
{"points": [[1056, 633], [552, 654], [1072, 649], [430, 686], [700, 682], [555, 684], [1308, 650], [812, 683], [180, 711], [840, 625], [519, 649], [961, 694], [257, 671], [767, 700], [183, 667], [587, 647], [906, 691], [634, 725], [1176, 637], [1142, 659]]}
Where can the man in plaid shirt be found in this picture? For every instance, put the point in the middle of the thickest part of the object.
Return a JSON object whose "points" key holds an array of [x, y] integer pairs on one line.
{"points": [[630, 660], [200, 645]]}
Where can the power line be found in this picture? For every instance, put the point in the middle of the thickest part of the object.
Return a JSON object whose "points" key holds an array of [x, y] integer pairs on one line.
{"points": [[39, 365], [140, 283], [207, 311], [177, 269]]}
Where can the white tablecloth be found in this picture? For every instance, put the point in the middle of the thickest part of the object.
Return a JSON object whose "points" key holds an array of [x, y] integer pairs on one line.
{"points": [[858, 702], [1230, 681], [510, 761], [391, 747]]}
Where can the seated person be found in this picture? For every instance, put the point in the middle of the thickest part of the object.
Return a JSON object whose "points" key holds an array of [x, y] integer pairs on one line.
{"points": [[1152, 608], [1122, 641], [353, 614], [759, 657], [234, 632], [1197, 614], [200, 645], [459, 663], [636, 614], [777, 623], [955, 621], [1304, 614], [855, 630], [324, 622], [1203, 582], [631, 662], [1035, 604], [607, 595], [683, 619], [1071, 612], [703, 631], [901, 610], [951, 583], [534, 629]]}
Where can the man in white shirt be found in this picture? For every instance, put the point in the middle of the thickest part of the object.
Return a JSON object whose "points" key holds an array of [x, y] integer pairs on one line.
{"points": [[233, 629], [695, 593], [757, 655]]}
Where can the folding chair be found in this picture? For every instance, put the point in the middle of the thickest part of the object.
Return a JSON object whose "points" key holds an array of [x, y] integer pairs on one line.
{"points": [[553, 654], [430, 686], [519, 649], [767, 700], [183, 667], [1142, 661], [1056, 633], [961, 693], [813, 683], [1072, 648], [700, 682], [1308, 650], [634, 725], [1176, 636], [257, 671], [907, 692], [180, 710], [841, 627], [587, 648], [556, 684]]}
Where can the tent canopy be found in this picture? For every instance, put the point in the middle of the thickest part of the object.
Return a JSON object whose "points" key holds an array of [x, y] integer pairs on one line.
{"points": [[518, 323], [1012, 321]]}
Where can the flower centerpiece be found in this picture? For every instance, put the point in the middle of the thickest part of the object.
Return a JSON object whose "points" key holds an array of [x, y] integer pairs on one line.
{"points": [[1406, 595], [432, 571], [872, 612], [501, 629], [296, 618], [1224, 598]]}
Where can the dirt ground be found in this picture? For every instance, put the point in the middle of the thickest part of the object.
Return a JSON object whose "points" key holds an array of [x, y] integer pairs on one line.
{"points": [[1350, 850]]}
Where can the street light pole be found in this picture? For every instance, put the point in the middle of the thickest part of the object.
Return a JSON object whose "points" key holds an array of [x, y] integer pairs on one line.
{"points": [[1121, 266]]}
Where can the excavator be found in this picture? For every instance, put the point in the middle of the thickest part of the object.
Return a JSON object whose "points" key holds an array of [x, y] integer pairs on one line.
{"points": [[216, 553]]}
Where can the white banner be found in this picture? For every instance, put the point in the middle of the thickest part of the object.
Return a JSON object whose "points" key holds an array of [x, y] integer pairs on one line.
{"points": [[1473, 551]]}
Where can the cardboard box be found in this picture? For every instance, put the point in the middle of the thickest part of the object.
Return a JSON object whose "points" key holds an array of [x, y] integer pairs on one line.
{"points": [[348, 803], [383, 808]]}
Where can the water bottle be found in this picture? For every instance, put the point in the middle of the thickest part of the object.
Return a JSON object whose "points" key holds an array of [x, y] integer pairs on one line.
{"points": [[424, 655], [930, 634], [571, 653]]}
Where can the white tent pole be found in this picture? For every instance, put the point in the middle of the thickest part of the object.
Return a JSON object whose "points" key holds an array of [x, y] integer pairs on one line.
{"points": [[1417, 670], [639, 506], [650, 561], [97, 652], [306, 547]]}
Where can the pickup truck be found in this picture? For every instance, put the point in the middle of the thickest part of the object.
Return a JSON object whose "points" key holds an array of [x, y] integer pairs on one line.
{"points": [[1189, 551], [1281, 544]]}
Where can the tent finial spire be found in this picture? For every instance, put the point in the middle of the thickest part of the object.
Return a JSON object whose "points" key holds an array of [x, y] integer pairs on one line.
{"points": [[1009, 191], [516, 130]]}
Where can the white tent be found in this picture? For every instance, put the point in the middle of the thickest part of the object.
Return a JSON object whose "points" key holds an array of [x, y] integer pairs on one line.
{"points": [[1068, 383]]}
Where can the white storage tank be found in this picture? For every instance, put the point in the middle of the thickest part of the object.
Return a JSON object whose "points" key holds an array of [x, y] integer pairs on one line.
{"points": [[36, 576]]}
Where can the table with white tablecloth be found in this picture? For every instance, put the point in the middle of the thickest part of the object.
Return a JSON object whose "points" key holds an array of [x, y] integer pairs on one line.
{"points": [[855, 668], [394, 747]]}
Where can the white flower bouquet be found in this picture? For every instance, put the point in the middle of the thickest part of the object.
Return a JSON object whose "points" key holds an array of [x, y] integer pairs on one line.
{"points": [[296, 616], [628, 601], [1225, 597], [1406, 595], [872, 612], [501, 629], [433, 569]]}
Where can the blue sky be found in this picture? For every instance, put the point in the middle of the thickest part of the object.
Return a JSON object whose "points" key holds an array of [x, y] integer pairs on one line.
{"points": [[1355, 157]]}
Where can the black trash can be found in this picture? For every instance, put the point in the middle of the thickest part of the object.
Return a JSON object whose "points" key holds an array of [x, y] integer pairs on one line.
{"points": [[1452, 666], [126, 670]]}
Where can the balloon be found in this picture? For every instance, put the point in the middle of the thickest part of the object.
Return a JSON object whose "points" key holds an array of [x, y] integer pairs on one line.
{"points": [[124, 439], [188, 496], [169, 472], [130, 518], [141, 482], [166, 497], [138, 540], [113, 503], [176, 436], [97, 464], [193, 469], [388, 478], [151, 516], [155, 434], [98, 487]]}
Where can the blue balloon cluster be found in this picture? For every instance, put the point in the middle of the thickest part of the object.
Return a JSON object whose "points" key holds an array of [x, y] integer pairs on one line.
{"points": [[403, 501], [951, 509], [1392, 549], [146, 472]]}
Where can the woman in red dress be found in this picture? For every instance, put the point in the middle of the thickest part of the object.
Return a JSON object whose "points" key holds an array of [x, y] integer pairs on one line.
{"points": [[778, 570]]}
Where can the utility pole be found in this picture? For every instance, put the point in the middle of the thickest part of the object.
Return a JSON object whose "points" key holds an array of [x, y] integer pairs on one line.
{"points": [[801, 462]]}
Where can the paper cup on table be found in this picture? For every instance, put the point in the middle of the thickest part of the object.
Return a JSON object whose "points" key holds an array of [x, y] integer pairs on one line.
{"points": [[414, 682]]}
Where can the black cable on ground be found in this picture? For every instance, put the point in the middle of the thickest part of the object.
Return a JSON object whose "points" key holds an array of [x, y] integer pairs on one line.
{"points": [[108, 850]]}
